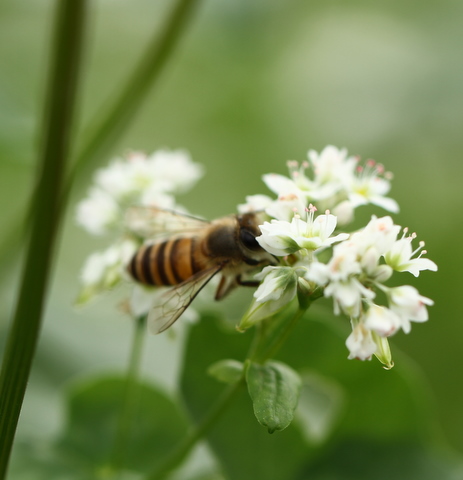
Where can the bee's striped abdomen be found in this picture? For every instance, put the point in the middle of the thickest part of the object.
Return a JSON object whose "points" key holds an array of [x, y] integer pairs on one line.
{"points": [[166, 263]]}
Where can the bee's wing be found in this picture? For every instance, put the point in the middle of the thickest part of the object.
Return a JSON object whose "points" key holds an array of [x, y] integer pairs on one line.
{"points": [[151, 222], [174, 302]]}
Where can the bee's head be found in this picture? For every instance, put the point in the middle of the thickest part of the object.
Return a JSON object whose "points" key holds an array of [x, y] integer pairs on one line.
{"points": [[248, 230]]}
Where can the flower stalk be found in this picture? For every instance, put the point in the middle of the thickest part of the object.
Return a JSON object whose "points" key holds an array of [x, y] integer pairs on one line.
{"points": [[55, 146], [129, 401], [107, 127]]}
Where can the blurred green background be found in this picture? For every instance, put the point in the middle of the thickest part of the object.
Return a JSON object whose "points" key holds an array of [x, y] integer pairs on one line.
{"points": [[253, 84]]}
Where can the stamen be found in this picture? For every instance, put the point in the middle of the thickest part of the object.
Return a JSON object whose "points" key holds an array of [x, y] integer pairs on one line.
{"points": [[420, 247]]}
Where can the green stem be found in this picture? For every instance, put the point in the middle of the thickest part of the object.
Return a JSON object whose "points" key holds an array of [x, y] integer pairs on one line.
{"points": [[184, 448], [278, 341], [199, 431], [108, 127], [111, 121], [130, 397], [56, 136]]}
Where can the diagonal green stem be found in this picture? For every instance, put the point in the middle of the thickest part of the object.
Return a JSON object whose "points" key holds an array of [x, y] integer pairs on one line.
{"points": [[111, 121], [109, 125], [272, 347], [182, 450], [129, 401], [261, 349], [56, 138]]}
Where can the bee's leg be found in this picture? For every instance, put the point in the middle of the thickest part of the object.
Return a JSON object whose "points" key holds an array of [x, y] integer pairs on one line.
{"points": [[226, 285], [247, 283]]}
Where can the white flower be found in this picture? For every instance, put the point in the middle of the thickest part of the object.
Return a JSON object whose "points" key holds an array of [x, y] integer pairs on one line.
{"points": [[348, 296], [408, 304], [286, 206], [283, 238], [380, 233], [114, 179], [176, 169], [274, 293], [255, 203], [344, 211], [137, 179], [369, 187], [154, 198], [97, 213], [280, 184], [93, 269], [360, 343], [103, 270], [399, 257], [344, 262], [333, 171], [381, 320]]}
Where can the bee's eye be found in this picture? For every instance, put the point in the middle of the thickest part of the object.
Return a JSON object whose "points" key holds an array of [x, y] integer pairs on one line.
{"points": [[249, 240]]}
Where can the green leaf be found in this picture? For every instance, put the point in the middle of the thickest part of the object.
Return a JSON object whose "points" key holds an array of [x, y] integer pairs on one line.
{"points": [[94, 409], [226, 371], [355, 399], [236, 435], [274, 389], [320, 406], [83, 450]]}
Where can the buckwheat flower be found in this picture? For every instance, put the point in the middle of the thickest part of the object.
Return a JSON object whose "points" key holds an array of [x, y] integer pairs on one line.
{"points": [[408, 305], [333, 170], [382, 320], [383, 351], [98, 213], [176, 169], [344, 262], [380, 233], [399, 256], [344, 212], [103, 270], [369, 187], [153, 197], [114, 178], [281, 185], [286, 206], [283, 238], [276, 291], [372, 268], [348, 296], [360, 342], [255, 203]]}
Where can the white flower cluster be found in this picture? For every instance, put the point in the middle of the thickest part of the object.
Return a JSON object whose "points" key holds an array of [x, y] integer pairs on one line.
{"points": [[337, 183], [359, 264], [137, 179]]}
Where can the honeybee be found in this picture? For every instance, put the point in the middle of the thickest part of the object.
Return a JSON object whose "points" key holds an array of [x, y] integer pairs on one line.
{"points": [[186, 252]]}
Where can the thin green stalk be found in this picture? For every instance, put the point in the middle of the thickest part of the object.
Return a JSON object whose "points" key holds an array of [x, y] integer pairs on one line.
{"points": [[115, 117], [279, 340], [109, 124], [182, 450], [54, 150], [129, 401]]}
